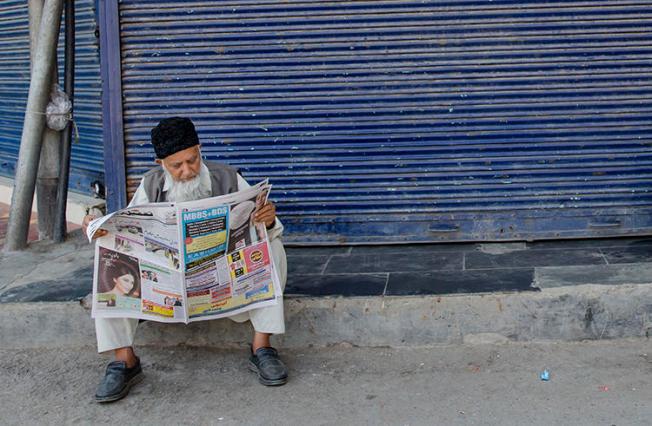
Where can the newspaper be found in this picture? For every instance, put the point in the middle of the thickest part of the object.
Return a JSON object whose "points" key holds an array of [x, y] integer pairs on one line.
{"points": [[186, 261]]}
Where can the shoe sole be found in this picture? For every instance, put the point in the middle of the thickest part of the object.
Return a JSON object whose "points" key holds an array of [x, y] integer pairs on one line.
{"points": [[264, 381], [131, 383]]}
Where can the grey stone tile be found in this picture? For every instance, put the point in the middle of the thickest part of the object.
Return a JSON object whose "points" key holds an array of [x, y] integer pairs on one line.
{"points": [[533, 258], [394, 262], [631, 254], [317, 251], [414, 248], [590, 243], [451, 282], [336, 285], [306, 264], [615, 274]]}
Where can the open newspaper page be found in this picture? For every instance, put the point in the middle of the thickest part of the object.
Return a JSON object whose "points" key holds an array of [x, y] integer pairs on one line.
{"points": [[226, 256], [184, 262], [137, 266]]}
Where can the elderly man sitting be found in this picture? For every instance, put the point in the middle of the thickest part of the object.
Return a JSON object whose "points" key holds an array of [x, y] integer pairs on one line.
{"points": [[183, 176]]}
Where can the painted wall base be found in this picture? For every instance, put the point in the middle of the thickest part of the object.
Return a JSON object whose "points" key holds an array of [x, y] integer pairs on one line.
{"points": [[78, 204]]}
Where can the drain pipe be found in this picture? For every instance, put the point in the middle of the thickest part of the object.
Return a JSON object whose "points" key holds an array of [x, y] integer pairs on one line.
{"points": [[66, 136], [49, 164], [31, 139]]}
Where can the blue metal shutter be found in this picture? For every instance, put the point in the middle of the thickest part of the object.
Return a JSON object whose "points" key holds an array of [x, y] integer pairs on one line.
{"points": [[86, 164], [395, 121]]}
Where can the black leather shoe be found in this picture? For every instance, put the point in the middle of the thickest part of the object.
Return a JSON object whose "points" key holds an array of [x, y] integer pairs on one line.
{"points": [[270, 369], [117, 381]]}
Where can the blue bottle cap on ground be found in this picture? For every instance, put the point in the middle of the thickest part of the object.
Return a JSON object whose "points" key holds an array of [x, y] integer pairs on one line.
{"points": [[545, 375]]}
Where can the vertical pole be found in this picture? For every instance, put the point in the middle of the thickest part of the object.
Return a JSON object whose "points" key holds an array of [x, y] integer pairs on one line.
{"points": [[66, 137], [31, 139], [48, 171]]}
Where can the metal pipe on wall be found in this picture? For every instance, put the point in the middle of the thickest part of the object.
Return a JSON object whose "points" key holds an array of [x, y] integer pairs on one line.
{"points": [[66, 136], [31, 139]]}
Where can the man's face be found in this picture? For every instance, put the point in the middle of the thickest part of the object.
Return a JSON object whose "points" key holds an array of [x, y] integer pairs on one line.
{"points": [[183, 165]]}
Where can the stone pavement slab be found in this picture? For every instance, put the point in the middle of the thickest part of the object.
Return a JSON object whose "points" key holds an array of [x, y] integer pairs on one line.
{"points": [[613, 274], [460, 282]]}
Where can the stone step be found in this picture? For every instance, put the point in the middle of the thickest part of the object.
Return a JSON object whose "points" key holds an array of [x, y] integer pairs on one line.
{"points": [[567, 313]]}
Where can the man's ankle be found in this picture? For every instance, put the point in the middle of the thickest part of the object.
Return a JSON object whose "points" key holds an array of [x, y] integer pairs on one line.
{"points": [[261, 340], [127, 355], [130, 362]]}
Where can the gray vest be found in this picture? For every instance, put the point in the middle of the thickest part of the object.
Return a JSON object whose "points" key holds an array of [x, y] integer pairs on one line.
{"points": [[224, 180]]}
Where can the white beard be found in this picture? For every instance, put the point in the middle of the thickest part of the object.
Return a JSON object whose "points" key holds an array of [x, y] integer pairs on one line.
{"points": [[189, 190]]}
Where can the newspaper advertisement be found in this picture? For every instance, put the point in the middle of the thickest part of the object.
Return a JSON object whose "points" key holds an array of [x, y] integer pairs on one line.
{"points": [[186, 261]]}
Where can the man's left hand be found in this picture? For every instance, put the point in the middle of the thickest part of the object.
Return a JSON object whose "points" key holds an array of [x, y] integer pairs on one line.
{"points": [[266, 214]]}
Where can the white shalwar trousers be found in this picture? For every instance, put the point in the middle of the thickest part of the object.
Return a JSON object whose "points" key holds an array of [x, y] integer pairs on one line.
{"points": [[114, 333]]}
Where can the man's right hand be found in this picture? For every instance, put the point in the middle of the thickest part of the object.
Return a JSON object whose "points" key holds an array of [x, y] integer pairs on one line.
{"points": [[88, 219]]}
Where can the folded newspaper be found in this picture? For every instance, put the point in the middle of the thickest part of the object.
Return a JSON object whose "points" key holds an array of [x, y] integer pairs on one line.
{"points": [[185, 261]]}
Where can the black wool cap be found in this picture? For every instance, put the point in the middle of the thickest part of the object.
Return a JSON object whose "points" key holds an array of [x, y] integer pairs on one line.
{"points": [[172, 135]]}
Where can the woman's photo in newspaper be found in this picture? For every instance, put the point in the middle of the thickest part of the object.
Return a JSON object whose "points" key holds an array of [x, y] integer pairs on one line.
{"points": [[118, 280]]}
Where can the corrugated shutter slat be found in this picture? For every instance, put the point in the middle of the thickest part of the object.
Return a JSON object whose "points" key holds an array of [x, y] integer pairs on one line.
{"points": [[397, 121], [86, 163]]}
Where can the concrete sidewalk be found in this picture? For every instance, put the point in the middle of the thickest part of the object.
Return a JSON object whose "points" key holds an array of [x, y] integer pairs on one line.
{"points": [[373, 296], [607, 382]]}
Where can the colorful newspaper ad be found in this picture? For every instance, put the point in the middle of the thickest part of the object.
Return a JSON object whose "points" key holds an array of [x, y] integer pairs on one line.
{"points": [[184, 262]]}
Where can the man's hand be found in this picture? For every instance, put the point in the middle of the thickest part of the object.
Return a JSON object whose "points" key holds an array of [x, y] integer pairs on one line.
{"points": [[88, 219], [266, 214]]}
